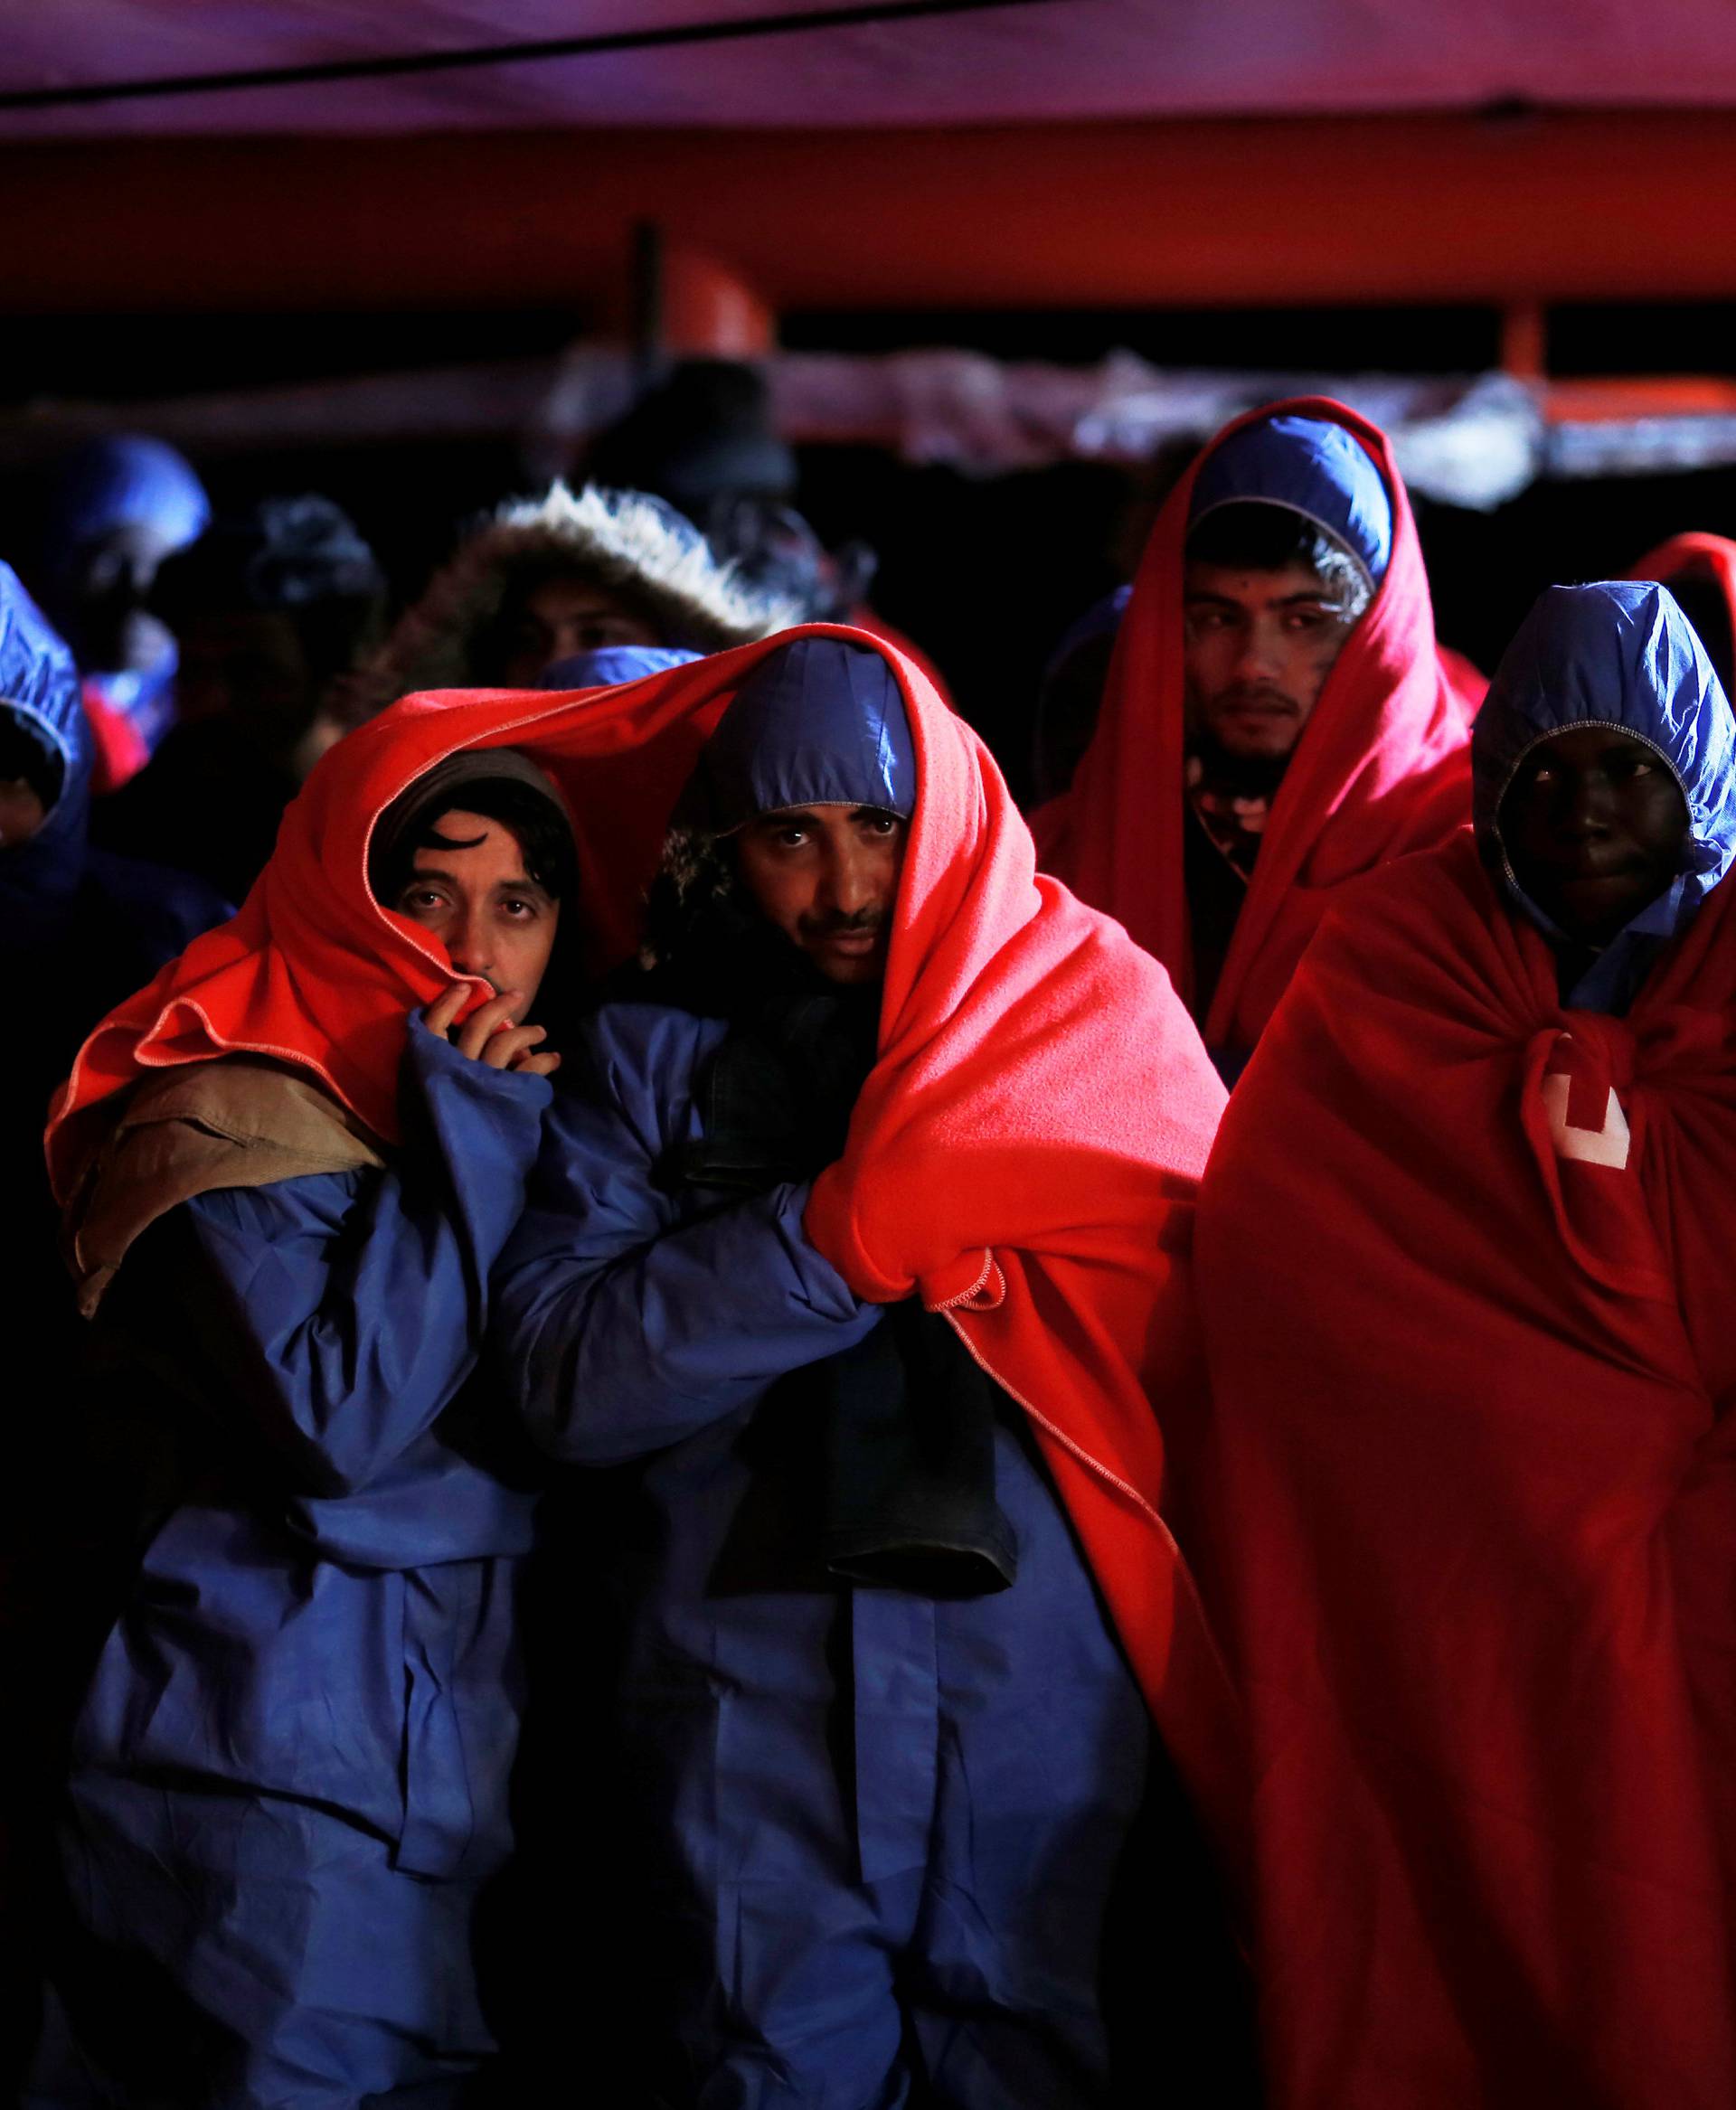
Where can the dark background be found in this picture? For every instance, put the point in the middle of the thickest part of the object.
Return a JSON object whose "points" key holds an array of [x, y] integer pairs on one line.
{"points": [[985, 573]]}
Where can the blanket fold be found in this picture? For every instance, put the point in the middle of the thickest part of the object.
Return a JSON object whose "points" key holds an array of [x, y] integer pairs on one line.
{"points": [[187, 1131], [1023, 1157]]}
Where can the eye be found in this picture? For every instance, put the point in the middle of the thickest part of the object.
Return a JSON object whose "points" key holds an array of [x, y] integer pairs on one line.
{"points": [[420, 898], [1307, 619], [520, 910], [882, 824]]}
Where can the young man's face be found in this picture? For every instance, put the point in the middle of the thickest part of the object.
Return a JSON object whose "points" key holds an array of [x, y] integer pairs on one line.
{"points": [[471, 889], [559, 618], [1258, 646], [1594, 825], [827, 876]]}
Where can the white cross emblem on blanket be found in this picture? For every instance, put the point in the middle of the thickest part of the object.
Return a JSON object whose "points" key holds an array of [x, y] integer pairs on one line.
{"points": [[1606, 1145]]}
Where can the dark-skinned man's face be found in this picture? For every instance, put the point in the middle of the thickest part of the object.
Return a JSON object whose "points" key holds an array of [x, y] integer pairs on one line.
{"points": [[827, 876], [1593, 825]]}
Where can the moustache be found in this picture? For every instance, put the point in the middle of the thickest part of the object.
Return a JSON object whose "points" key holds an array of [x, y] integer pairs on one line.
{"points": [[1257, 698], [821, 928]]}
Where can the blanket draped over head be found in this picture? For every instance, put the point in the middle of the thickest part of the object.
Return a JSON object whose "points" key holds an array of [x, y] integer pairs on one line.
{"points": [[1023, 1157], [1380, 769], [1700, 570], [1024, 1153], [315, 974], [1467, 1506]]}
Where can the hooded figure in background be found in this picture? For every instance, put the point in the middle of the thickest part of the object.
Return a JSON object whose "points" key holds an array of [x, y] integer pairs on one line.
{"points": [[1467, 1504], [79, 929], [855, 1270], [118, 508], [269, 609], [705, 438], [568, 573], [1277, 720]]}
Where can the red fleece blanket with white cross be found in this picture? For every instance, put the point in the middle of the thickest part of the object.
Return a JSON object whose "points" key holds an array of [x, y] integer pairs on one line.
{"points": [[1466, 1508]]}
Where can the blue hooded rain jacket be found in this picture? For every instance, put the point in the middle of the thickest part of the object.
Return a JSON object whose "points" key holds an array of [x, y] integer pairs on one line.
{"points": [[863, 1832], [288, 1780]]}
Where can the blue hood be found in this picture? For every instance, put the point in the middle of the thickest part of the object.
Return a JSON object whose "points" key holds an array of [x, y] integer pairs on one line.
{"points": [[1315, 468], [127, 480], [819, 723], [39, 686], [1618, 654], [612, 666]]}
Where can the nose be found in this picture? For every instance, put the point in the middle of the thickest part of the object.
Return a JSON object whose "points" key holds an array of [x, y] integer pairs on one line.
{"points": [[469, 943], [1259, 658], [1582, 807], [851, 883]]}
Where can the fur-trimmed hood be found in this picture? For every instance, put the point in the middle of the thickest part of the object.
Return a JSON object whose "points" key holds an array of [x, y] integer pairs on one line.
{"points": [[630, 543]]}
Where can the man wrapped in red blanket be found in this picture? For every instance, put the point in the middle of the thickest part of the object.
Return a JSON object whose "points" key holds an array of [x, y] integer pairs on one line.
{"points": [[855, 1270], [1467, 1504], [1278, 720]]}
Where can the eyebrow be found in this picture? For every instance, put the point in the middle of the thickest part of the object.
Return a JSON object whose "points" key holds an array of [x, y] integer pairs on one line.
{"points": [[1322, 598], [421, 874], [790, 817]]}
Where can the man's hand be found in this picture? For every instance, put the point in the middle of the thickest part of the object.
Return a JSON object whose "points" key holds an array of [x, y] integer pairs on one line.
{"points": [[488, 1035]]}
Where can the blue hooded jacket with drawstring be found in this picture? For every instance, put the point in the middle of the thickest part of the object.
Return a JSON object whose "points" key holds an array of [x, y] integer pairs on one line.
{"points": [[814, 1777], [1619, 654], [289, 1766]]}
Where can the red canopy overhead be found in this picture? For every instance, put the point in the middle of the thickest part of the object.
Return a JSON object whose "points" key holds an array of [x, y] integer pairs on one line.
{"points": [[985, 64]]}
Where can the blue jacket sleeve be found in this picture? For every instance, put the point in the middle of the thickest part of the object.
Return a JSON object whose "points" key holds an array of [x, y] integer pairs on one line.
{"points": [[626, 1320], [346, 1309]]}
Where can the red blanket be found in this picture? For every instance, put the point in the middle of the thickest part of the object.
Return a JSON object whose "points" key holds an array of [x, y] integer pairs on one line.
{"points": [[1023, 1157], [1466, 1507], [1381, 767], [1466, 679], [1038, 1120], [1693, 556], [314, 972]]}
